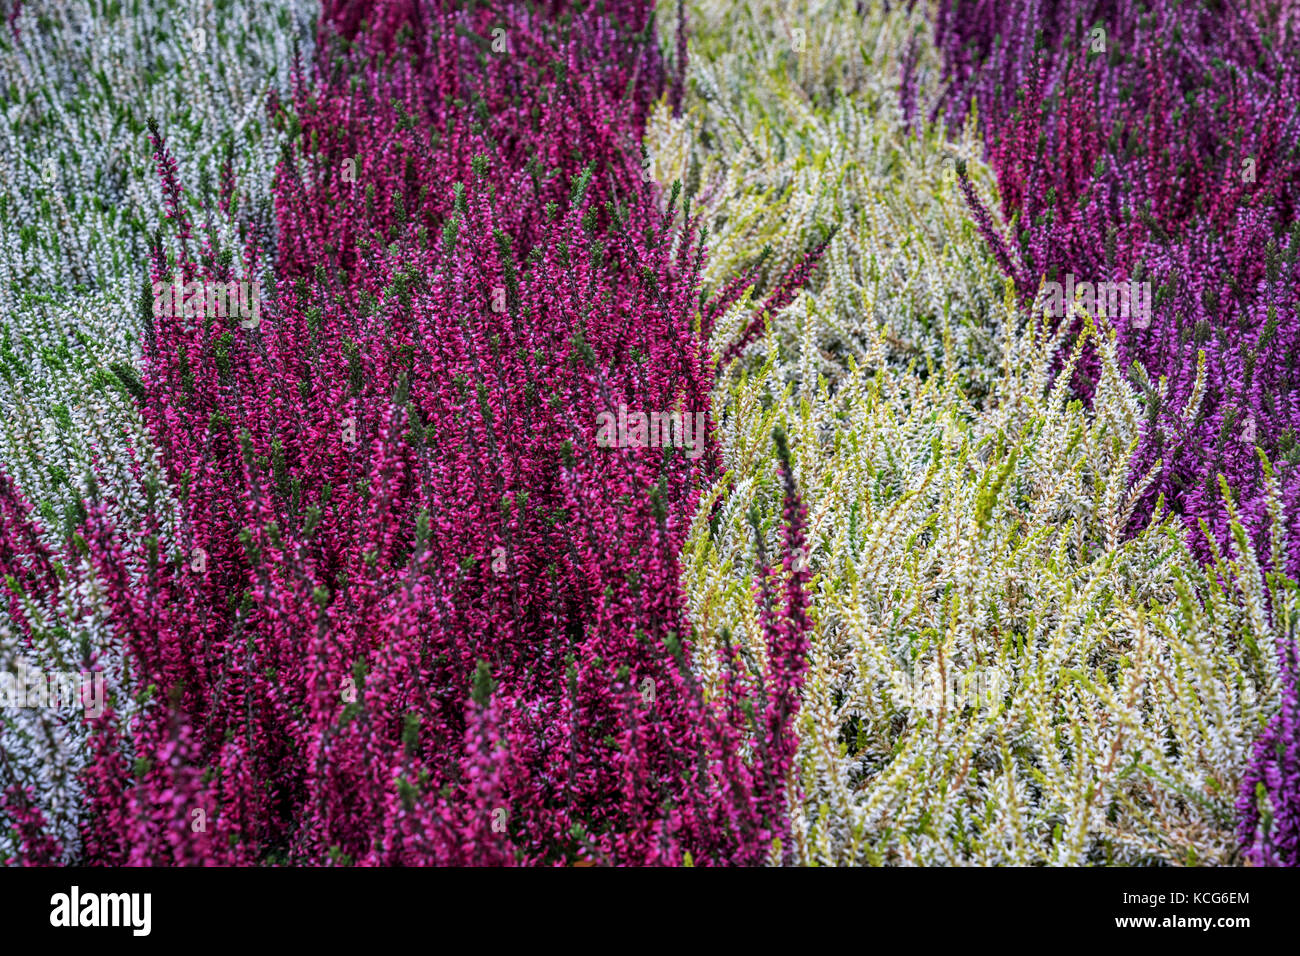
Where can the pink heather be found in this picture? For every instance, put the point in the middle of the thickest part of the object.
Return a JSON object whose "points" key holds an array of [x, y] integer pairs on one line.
{"points": [[425, 604]]}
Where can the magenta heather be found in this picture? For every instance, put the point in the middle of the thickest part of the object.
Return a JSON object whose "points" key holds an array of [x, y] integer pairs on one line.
{"points": [[1270, 792], [416, 615]]}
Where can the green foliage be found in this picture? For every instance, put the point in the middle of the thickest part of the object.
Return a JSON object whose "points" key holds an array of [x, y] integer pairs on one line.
{"points": [[998, 674]]}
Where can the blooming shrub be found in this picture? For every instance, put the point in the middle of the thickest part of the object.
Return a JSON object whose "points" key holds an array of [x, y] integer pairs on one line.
{"points": [[787, 145], [413, 613], [971, 538], [79, 203], [1157, 140], [1126, 681], [1269, 822], [655, 441]]}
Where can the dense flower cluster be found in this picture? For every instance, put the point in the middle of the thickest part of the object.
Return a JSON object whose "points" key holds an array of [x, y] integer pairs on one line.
{"points": [[410, 611], [1157, 141], [972, 529], [581, 433], [79, 201], [1270, 810]]}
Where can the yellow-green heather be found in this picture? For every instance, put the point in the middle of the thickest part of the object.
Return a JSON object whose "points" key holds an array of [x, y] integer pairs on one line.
{"points": [[999, 673]]}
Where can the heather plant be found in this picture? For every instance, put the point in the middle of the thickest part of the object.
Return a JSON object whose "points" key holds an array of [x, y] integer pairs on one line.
{"points": [[1270, 815], [81, 200], [413, 612], [79, 203], [647, 457], [1157, 142], [966, 537], [792, 126], [954, 546]]}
